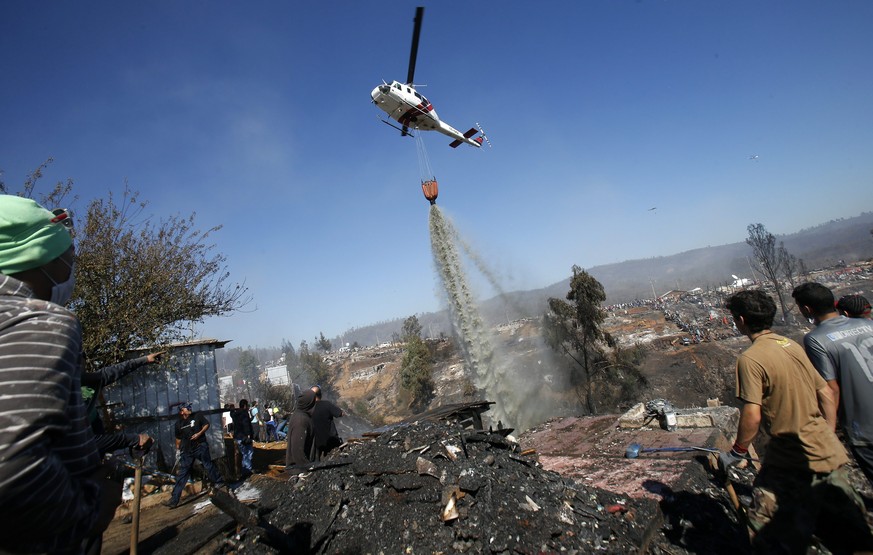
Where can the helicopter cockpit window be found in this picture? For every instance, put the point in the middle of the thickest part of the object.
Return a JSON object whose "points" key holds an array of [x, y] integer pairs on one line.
{"points": [[418, 96], [398, 87]]}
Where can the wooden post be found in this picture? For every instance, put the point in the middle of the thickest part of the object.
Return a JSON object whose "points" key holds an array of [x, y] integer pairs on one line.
{"points": [[137, 495]]}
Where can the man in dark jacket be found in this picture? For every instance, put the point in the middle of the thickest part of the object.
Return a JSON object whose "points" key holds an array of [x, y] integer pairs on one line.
{"points": [[191, 443], [324, 430], [243, 436], [300, 431]]}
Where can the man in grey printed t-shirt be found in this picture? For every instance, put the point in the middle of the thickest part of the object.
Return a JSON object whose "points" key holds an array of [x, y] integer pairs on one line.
{"points": [[841, 349]]}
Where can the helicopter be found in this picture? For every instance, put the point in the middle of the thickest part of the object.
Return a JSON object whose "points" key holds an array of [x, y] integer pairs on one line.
{"points": [[411, 109]]}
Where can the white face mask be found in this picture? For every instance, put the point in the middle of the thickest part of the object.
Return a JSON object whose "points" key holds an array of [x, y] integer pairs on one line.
{"points": [[63, 292]]}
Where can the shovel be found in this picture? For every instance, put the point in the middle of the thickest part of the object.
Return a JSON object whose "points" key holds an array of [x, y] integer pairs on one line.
{"points": [[634, 449], [137, 489], [729, 488], [138, 453]]}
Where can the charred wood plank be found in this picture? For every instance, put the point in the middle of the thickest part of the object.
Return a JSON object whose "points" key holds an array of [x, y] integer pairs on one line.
{"points": [[195, 536], [265, 531]]}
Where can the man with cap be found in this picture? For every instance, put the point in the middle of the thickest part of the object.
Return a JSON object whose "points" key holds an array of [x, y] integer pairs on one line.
{"points": [[54, 494], [191, 444]]}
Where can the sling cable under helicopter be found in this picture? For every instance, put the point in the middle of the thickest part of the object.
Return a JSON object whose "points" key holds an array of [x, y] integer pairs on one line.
{"points": [[428, 181], [404, 104]]}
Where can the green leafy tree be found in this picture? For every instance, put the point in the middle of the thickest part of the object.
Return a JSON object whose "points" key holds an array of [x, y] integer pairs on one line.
{"points": [[411, 328], [249, 370], [313, 366], [416, 372], [248, 366], [598, 369], [292, 360], [574, 328], [323, 343], [141, 283]]}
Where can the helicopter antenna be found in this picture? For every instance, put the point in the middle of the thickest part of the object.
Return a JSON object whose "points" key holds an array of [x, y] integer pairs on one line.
{"points": [[484, 136]]}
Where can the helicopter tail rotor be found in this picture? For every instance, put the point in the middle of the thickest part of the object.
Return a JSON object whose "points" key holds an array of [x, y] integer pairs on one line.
{"points": [[483, 136]]}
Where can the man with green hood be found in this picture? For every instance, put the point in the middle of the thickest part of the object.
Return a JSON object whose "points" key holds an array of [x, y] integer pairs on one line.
{"points": [[54, 494]]}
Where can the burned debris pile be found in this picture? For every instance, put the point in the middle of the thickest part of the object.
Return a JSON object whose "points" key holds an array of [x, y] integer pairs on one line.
{"points": [[432, 487]]}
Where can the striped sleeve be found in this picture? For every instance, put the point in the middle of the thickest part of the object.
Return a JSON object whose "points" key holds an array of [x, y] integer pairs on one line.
{"points": [[47, 450]]}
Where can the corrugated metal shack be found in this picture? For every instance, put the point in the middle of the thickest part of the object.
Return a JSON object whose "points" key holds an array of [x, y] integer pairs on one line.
{"points": [[147, 400]]}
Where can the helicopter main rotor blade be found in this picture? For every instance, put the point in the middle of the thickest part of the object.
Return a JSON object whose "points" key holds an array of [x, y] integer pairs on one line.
{"points": [[413, 54]]}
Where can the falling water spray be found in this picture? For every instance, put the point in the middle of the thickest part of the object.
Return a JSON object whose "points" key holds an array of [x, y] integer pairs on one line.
{"points": [[474, 342]]}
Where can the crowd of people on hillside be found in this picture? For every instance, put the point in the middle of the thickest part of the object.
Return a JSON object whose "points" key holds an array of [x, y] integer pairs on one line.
{"points": [[309, 430]]}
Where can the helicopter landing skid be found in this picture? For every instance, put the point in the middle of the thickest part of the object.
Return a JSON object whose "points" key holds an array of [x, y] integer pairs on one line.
{"points": [[405, 133]]}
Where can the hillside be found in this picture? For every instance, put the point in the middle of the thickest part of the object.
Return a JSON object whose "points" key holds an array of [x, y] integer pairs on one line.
{"points": [[820, 246], [687, 344], [368, 382]]}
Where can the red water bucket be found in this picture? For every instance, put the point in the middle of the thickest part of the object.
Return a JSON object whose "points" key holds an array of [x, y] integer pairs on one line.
{"points": [[430, 190]]}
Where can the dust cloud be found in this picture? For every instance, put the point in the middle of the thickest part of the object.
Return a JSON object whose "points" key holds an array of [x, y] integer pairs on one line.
{"points": [[518, 390]]}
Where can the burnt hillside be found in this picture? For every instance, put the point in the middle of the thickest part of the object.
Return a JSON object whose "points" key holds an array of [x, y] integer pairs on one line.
{"points": [[686, 344], [820, 246]]}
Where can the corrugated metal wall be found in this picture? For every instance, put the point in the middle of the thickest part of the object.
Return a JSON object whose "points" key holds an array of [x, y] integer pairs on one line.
{"points": [[187, 373]]}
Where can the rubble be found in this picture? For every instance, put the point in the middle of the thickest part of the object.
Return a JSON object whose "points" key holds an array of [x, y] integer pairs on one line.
{"points": [[435, 487], [432, 487]]}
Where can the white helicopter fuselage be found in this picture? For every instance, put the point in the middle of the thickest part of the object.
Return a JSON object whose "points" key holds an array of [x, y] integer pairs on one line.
{"points": [[409, 108]]}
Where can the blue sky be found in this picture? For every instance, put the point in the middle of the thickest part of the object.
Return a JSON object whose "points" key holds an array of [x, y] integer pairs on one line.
{"points": [[256, 116]]}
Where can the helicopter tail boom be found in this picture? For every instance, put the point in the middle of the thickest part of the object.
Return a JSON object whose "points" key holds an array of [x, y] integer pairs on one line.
{"points": [[477, 142]]}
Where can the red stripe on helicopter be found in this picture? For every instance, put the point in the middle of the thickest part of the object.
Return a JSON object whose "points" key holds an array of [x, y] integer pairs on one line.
{"points": [[414, 111]]}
